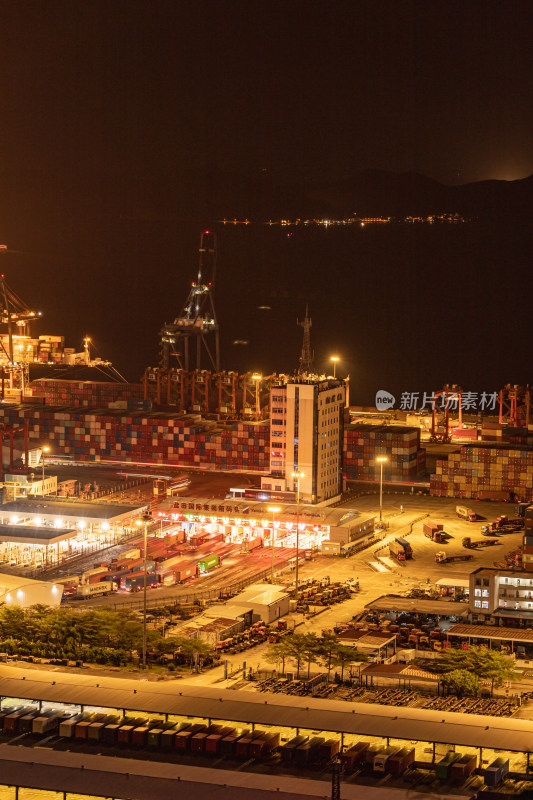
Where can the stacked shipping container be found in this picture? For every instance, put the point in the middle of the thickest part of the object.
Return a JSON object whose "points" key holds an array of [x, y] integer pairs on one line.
{"points": [[186, 440], [362, 443], [86, 393], [485, 472]]}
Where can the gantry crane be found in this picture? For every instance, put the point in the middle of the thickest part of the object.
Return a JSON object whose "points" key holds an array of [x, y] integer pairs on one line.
{"points": [[197, 320], [14, 312]]}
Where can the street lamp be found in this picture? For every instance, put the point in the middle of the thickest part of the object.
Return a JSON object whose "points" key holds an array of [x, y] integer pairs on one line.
{"points": [[381, 460], [297, 475], [146, 518], [335, 360], [45, 449], [273, 510]]}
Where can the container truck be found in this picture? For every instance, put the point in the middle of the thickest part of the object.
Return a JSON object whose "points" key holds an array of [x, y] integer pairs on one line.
{"points": [[474, 543], [328, 750], [91, 573], [135, 581], [242, 748], [26, 721], [289, 749], [85, 590], [125, 732], [353, 756], [443, 767], [442, 558], [251, 544], [461, 769], [381, 758], [183, 738], [261, 747], [5, 712], [466, 513], [199, 739], [496, 772], [228, 744], [207, 562], [154, 734], [67, 726], [307, 752], [11, 720], [49, 720], [95, 730], [400, 550], [212, 743], [436, 534], [398, 763], [178, 573]]}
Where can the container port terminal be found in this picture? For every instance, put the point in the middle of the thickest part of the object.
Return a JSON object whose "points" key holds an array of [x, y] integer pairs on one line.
{"points": [[240, 509]]}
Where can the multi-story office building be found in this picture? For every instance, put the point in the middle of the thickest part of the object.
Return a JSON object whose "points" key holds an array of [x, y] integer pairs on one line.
{"points": [[501, 597], [306, 437]]}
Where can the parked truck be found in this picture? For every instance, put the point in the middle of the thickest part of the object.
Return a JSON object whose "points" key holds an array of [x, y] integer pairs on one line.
{"points": [[134, 582], [475, 543], [400, 549], [442, 558], [434, 532], [466, 513], [85, 590], [207, 562]]}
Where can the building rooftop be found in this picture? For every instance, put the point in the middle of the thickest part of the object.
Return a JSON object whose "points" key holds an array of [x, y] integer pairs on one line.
{"points": [[32, 535], [70, 509], [258, 509], [309, 713], [444, 608], [499, 633]]}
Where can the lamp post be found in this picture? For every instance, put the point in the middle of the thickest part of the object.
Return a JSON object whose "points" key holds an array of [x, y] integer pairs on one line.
{"points": [[146, 518], [381, 460], [273, 510], [45, 450], [335, 360], [297, 475]]}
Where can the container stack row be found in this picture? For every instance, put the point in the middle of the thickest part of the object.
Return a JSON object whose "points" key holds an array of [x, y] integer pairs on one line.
{"points": [[184, 440], [363, 443], [86, 393], [485, 472]]}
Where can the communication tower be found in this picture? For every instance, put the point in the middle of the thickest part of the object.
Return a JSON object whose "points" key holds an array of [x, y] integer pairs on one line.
{"points": [[307, 357], [197, 321]]}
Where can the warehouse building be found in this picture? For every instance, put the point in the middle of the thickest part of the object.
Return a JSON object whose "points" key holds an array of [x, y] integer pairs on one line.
{"points": [[431, 733], [25, 592], [86, 517]]}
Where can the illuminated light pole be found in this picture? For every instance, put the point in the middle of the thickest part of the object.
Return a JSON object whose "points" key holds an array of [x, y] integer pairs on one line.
{"points": [[45, 450], [257, 377], [273, 510], [146, 518], [335, 360], [297, 475], [381, 460]]}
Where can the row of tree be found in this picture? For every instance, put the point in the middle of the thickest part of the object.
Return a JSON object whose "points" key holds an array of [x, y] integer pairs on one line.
{"points": [[308, 648], [99, 636], [459, 670], [464, 670]]}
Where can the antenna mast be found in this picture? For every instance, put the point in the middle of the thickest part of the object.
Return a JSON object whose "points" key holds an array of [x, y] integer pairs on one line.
{"points": [[307, 357]]}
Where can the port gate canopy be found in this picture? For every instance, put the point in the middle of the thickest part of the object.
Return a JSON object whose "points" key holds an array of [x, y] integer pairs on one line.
{"points": [[70, 512], [492, 632], [277, 710], [340, 523], [441, 608], [25, 534]]}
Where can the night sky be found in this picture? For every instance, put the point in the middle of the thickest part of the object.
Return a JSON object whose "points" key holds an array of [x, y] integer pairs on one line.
{"points": [[106, 105]]}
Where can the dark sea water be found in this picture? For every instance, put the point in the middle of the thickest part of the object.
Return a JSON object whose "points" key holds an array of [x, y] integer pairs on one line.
{"points": [[407, 308]]}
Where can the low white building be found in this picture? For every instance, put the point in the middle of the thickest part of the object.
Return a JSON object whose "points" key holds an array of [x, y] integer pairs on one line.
{"points": [[25, 592], [268, 602]]}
